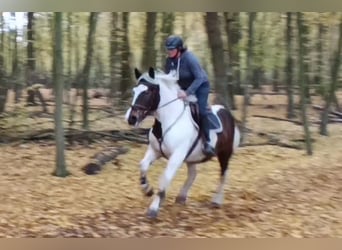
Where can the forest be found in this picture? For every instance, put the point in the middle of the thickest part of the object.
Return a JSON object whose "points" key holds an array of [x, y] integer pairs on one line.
{"points": [[70, 161]]}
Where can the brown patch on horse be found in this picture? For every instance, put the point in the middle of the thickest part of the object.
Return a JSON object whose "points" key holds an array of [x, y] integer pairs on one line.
{"points": [[157, 129], [225, 139]]}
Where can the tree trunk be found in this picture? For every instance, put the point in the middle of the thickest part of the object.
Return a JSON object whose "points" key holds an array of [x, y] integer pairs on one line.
{"points": [[289, 67], [275, 79], [15, 76], [233, 34], [166, 29], [3, 85], [69, 58], [126, 72], [319, 47], [212, 25], [87, 67], [149, 52], [60, 170], [302, 32], [114, 56], [333, 85], [31, 57], [251, 18]]}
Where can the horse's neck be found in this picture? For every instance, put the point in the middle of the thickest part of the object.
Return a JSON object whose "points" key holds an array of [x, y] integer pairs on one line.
{"points": [[170, 107]]}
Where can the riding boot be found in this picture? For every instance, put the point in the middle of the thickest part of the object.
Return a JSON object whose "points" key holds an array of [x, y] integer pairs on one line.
{"points": [[207, 148]]}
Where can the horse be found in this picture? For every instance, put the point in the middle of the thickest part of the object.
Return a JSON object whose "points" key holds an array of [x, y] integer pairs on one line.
{"points": [[179, 139]]}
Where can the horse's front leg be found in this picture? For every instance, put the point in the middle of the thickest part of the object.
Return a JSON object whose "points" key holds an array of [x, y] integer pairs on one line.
{"points": [[183, 193], [150, 156], [175, 161]]}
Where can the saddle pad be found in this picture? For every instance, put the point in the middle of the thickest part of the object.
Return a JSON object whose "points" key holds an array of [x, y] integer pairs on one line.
{"points": [[214, 121]]}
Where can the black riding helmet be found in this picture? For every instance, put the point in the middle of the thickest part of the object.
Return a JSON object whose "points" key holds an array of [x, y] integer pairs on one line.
{"points": [[174, 42]]}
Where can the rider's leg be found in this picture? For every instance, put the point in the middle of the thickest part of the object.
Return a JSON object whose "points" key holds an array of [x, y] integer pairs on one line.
{"points": [[202, 95]]}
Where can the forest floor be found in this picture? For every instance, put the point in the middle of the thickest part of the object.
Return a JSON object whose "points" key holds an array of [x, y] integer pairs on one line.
{"points": [[272, 191]]}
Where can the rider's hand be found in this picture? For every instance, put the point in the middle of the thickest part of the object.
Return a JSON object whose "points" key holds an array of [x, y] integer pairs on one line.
{"points": [[182, 94]]}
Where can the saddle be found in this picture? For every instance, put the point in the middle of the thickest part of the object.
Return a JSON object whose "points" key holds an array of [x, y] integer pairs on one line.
{"points": [[214, 122]]}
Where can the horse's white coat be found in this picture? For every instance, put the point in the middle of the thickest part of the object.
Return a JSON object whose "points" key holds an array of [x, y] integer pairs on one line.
{"points": [[178, 138]]}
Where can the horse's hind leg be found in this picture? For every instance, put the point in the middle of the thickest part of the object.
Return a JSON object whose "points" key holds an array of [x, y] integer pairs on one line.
{"points": [[183, 193], [150, 156], [219, 195]]}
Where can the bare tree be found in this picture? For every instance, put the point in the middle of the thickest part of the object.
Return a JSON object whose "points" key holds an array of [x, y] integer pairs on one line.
{"points": [[212, 25], [60, 170], [302, 32], [251, 18], [166, 30], [87, 66], [31, 59], [333, 85], [289, 66], [3, 87], [149, 52], [126, 72]]}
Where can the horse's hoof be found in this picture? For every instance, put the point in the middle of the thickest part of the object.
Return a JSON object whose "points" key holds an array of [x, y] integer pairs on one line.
{"points": [[152, 214], [150, 192], [180, 200], [216, 205]]}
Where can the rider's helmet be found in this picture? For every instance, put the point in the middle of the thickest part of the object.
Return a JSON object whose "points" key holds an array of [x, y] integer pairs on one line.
{"points": [[174, 42]]}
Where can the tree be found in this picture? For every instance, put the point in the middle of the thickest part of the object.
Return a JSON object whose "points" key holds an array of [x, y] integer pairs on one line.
{"points": [[61, 170], [31, 59], [166, 29], [251, 18], [217, 56], [289, 66], [302, 33], [126, 71], [149, 52], [87, 66], [114, 54], [3, 87], [233, 32], [333, 83]]}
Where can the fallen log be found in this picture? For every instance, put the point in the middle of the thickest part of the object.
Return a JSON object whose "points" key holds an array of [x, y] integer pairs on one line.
{"points": [[101, 158], [278, 119], [338, 114], [270, 143]]}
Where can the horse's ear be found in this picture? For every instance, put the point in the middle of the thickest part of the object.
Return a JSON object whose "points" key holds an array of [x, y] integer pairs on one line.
{"points": [[137, 73], [151, 72]]}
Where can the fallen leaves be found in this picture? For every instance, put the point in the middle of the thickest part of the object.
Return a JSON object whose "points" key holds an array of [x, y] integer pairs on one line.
{"points": [[270, 192]]}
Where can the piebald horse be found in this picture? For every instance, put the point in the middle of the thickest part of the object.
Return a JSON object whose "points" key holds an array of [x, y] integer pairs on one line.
{"points": [[179, 140]]}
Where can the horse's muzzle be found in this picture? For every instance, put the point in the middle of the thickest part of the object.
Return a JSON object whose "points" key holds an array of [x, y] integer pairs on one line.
{"points": [[132, 120], [135, 117]]}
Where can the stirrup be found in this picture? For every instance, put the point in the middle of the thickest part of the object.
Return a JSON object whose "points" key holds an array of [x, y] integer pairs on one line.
{"points": [[208, 149]]}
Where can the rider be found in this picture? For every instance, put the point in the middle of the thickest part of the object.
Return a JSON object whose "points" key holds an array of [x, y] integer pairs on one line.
{"points": [[192, 79]]}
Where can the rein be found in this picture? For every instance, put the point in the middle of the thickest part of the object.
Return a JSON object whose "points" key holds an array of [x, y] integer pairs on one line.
{"points": [[169, 128], [165, 104]]}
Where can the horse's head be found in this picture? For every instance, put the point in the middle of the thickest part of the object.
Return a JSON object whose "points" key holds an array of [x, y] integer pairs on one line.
{"points": [[145, 97]]}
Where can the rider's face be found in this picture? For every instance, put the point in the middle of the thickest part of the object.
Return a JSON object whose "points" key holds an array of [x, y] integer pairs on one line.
{"points": [[172, 52]]}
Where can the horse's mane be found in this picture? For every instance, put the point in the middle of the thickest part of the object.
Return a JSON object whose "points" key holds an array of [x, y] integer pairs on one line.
{"points": [[160, 77]]}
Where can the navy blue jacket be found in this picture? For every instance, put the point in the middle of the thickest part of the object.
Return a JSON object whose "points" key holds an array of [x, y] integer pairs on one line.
{"points": [[191, 74]]}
